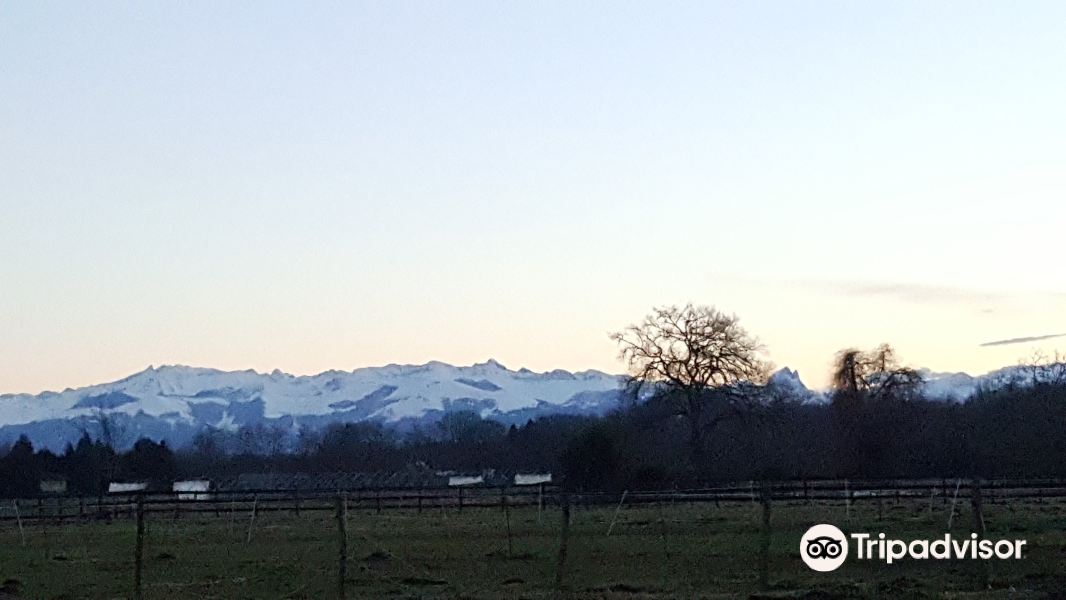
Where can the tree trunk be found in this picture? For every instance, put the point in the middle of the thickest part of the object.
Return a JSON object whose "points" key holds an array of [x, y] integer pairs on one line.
{"points": [[695, 432], [695, 441]]}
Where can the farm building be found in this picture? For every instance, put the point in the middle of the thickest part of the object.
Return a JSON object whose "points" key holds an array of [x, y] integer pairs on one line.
{"points": [[56, 486], [412, 477], [116, 487], [461, 480], [487, 477], [193, 489], [532, 478]]}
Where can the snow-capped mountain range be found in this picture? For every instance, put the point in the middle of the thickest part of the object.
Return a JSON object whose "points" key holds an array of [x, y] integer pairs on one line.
{"points": [[176, 402], [952, 387]]}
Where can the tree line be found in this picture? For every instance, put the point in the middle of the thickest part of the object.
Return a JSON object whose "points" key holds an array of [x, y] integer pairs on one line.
{"points": [[697, 410]]}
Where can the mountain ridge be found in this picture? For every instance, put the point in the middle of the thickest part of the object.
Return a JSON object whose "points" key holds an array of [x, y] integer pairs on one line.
{"points": [[175, 402]]}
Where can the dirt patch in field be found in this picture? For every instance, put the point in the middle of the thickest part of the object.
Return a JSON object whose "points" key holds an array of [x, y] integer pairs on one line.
{"points": [[378, 556], [422, 581], [10, 588], [837, 593], [625, 589], [501, 555]]}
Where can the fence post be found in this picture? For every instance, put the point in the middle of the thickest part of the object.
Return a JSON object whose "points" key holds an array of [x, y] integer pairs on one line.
{"points": [[847, 499], [764, 553], [976, 500], [954, 500], [460, 498], [507, 517], [232, 513], [18, 518], [342, 554], [662, 530], [251, 522], [564, 540], [540, 502], [979, 529], [138, 556], [616, 511]]}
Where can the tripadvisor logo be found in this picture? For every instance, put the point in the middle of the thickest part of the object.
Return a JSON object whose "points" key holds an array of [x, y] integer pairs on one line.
{"points": [[824, 548]]}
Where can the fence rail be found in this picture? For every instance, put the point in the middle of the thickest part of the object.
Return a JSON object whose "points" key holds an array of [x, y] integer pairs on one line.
{"points": [[123, 505], [143, 507]]}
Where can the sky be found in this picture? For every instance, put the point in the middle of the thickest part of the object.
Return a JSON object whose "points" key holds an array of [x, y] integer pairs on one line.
{"points": [[313, 186]]}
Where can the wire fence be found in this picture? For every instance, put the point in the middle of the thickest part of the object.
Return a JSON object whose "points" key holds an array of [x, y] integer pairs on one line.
{"points": [[223, 502], [557, 530]]}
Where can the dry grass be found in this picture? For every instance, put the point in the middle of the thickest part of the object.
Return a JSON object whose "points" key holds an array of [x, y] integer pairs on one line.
{"points": [[680, 551]]}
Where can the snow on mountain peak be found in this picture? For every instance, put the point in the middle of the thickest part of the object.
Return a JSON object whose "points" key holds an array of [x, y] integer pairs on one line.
{"points": [[199, 397], [787, 382], [176, 401]]}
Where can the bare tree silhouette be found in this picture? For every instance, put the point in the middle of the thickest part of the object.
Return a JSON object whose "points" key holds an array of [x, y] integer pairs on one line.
{"points": [[876, 374], [698, 357]]}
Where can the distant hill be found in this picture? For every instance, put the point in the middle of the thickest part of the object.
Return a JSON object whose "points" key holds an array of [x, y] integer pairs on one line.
{"points": [[176, 402]]}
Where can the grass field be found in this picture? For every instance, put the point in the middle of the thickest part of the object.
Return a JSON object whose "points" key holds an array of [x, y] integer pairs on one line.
{"points": [[659, 551]]}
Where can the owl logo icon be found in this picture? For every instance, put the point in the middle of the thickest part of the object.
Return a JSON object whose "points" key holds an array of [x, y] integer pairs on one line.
{"points": [[824, 548]]}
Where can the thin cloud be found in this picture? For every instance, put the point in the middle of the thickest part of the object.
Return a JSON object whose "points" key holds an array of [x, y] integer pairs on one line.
{"points": [[986, 301], [912, 292], [1024, 340]]}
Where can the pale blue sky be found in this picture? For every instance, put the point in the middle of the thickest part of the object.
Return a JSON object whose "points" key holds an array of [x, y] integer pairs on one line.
{"points": [[332, 185]]}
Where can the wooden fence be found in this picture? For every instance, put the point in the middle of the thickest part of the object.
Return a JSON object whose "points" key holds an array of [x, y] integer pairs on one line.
{"points": [[219, 502], [143, 506]]}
